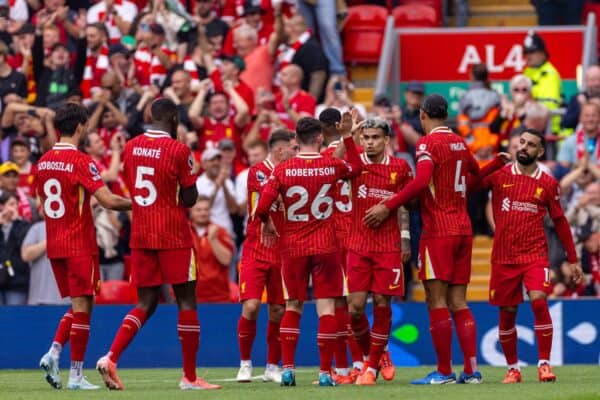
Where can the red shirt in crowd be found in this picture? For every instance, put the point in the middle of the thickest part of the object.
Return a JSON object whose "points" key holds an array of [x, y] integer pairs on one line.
{"points": [[300, 101], [213, 277]]}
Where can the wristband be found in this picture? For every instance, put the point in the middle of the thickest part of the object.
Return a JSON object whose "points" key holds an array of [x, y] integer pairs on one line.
{"points": [[405, 234]]}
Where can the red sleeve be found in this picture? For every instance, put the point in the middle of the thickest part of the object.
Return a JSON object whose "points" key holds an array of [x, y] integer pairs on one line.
{"points": [[225, 238], [554, 207], [563, 230], [307, 105], [268, 197], [416, 186], [352, 166], [215, 77], [483, 180], [228, 48], [473, 164], [185, 163], [88, 175]]}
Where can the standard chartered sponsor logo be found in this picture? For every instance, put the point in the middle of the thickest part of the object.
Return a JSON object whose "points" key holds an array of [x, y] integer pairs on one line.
{"points": [[506, 204], [362, 192], [523, 206]]}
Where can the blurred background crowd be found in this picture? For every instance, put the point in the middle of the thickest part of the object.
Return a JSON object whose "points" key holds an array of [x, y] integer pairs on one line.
{"points": [[238, 70]]}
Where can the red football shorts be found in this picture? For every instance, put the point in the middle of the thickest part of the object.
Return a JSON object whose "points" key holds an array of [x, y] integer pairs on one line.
{"points": [[507, 282], [150, 267], [255, 275], [77, 276], [379, 273], [447, 259], [327, 276]]}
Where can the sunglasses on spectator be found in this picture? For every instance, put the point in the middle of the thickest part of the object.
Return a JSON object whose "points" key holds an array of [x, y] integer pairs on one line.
{"points": [[144, 27], [520, 89]]}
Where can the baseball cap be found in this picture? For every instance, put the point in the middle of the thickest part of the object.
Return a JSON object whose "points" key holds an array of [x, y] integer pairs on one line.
{"points": [[118, 48], [533, 42], [250, 8], [382, 101], [210, 153], [157, 29], [7, 167], [415, 87], [226, 144], [237, 60]]}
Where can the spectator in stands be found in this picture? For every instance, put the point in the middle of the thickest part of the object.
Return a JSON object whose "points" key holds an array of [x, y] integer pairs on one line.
{"points": [[592, 91], [13, 84], [545, 78], [559, 12], [537, 117], [302, 48], [584, 140], [14, 272], [292, 102], [20, 153], [252, 15], [34, 123], [258, 59], [230, 158], [338, 95], [181, 93], [117, 16], [574, 183], [216, 185], [153, 58], [204, 14], [172, 22], [120, 61], [214, 249], [512, 112], [266, 120], [21, 60], [9, 183], [96, 62], [402, 136], [478, 109], [42, 284], [106, 119], [586, 210], [68, 22], [124, 99], [320, 16], [108, 167]]}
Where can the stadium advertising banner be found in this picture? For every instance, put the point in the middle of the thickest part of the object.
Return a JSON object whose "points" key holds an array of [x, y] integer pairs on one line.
{"points": [[442, 59], [576, 336]]}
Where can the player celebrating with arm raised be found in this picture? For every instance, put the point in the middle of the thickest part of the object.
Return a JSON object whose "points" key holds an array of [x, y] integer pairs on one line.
{"points": [[261, 266], [66, 178], [443, 163], [374, 259], [308, 243], [158, 172], [521, 195]]}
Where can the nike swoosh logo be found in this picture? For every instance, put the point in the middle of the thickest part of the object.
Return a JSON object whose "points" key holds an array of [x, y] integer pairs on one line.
{"points": [[547, 334], [392, 287], [507, 185]]}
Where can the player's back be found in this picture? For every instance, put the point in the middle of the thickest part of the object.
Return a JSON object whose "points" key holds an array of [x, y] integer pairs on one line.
{"points": [[342, 215], [307, 184], [156, 168], [444, 203], [66, 178]]}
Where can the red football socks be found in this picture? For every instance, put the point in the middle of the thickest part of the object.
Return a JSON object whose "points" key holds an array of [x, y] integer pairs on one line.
{"points": [[246, 335], [440, 327], [382, 317], [466, 330], [130, 326], [273, 343], [289, 332], [80, 333], [326, 339], [507, 333], [542, 327], [64, 328], [341, 353], [360, 331], [188, 329]]}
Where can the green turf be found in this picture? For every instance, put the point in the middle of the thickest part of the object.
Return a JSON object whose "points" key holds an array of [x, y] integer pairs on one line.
{"points": [[574, 382]]}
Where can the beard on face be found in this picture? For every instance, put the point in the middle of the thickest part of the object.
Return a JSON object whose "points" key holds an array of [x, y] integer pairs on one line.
{"points": [[525, 159]]}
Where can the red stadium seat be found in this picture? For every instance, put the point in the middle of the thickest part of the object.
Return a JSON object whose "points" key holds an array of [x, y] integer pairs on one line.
{"points": [[116, 292], [363, 33], [415, 15], [435, 4]]}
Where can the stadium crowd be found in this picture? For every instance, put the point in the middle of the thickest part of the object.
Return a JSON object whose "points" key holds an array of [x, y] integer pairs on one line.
{"points": [[237, 71]]}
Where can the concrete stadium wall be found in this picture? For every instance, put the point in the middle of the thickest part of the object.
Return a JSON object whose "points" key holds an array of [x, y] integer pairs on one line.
{"points": [[26, 332]]}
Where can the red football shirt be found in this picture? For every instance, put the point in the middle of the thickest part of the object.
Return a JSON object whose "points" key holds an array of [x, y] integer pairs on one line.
{"points": [[375, 183], [307, 185], [300, 101], [66, 178], [155, 168], [214, 131], [520, 203], [27, 181], [444, 203], [213, 277], [253, 248]]}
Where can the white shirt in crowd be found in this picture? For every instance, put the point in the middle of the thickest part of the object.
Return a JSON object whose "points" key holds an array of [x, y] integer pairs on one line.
{"points": [[126, 10], [219, 214]]}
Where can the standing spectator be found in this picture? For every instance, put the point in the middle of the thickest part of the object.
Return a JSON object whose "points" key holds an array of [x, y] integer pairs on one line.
{"points": [[293, 103], [214, 249], [96, 61], [153, 58], [303, 49], [584, 140], [9, 183], [33, 123], [592, 91], [546, 81], [42, 284], [338, 95], [252, 16], [22, 60], [478, 109], [116, 15], [14, 272], [216, 185], [106, 118], [181, 93], [558, 12], [321, 16], [258, 59], [68, 22], [13, 84], [512, 112], [19, 154], [123, 98]]}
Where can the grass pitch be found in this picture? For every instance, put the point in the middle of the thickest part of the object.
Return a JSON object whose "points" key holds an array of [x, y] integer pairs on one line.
{"points": [[574, 382]]}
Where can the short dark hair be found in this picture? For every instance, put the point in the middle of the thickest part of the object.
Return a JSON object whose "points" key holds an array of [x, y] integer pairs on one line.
{"points": [[202, 197], [330, 116], [480, 72], [217, 93], [537, 133], [378, 123], [435, 106], [68, 117], [6, 196], [164, 110], [280, 135], [308, 129]]}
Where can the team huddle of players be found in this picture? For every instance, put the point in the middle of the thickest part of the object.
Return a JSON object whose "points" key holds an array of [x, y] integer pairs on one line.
{"points": [[332, 217]]}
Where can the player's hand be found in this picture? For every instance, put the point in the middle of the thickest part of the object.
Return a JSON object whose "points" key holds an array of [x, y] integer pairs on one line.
{"points": [[268, 233], [405, 249], [376, 215], [505, 157], [576, 273], [344, 127]]}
